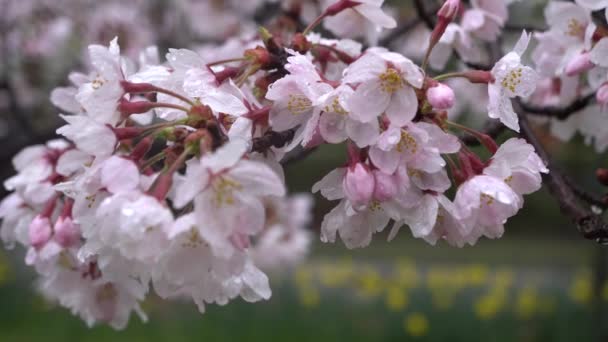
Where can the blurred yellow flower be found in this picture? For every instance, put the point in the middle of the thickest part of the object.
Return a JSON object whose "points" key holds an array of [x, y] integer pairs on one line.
{"points": [[369, 283], [478, 274], [335, 275], [489, 305], [443, 299], [309, 296], [416, 324], [526, 303], [396, 298], [581, 289]]}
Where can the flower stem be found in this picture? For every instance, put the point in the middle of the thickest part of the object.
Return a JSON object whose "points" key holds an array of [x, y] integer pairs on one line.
{"points": [[225, 61], [448, 75], [174, 94], [153, 160]]}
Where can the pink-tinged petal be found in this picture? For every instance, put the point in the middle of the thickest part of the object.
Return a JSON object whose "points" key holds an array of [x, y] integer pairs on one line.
{"points": [[422, 218], [364, 69], [198, 81], [473, 20], [368, 101], [223, 102], [256, 284], [65, 99], [599, 53], [226, 156], [333, 127], [402, 107], [376, 15], [331, 185], [386, 161], [119, 175], [190, 185], [522, 44], [183, 59], [500, 107], [333, 221], [257, 178], [363, 134], [71, 162], [311, 135]]}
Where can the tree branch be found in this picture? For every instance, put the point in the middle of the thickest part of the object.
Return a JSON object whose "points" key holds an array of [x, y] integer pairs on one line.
{"points": [[590, 225], [272, 139], [560, 113], [493, 128]]}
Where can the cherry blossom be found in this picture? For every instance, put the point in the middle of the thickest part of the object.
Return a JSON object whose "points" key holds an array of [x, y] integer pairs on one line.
{"points": [[385, 84], [512, 79]]}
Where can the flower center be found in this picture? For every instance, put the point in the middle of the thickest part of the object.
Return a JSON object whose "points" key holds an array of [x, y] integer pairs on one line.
{"points": [[335, 107], [391, 81], [407, 142], [193, 240], [414, 173], [298, 104], [224, 191], [512, 80], [98, 82], [374, 206], [575, 28], [486, 199]]}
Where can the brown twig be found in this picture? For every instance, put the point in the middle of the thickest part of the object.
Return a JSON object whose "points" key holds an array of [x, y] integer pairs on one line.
{"points": [[560, 113], [590, 225]]}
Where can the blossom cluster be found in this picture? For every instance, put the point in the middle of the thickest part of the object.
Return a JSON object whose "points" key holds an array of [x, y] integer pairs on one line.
{"points": [[169, 177]]}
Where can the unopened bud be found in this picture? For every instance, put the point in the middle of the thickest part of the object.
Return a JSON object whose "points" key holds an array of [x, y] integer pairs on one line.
{"points": [[40, 232], [300, 43], [440, 96], [67, 233], [340, 6], [449, 10], [359, 184], [385, 186], [602, 176], [579, 64], [260, 56]]}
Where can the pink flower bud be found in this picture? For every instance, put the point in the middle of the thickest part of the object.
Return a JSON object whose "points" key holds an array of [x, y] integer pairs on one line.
{"points": [[358, 184], [40, 232], [441, 96], [602, 95], [67, 233], [449, 9], [579, 64], [385, 186]]}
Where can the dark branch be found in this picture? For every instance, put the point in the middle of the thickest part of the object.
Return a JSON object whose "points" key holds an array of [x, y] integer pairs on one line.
{"points": [[585, 195], [272, 139], [398, 32], [493, 128], [590, 225], [560, 113], [424, 16]]}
